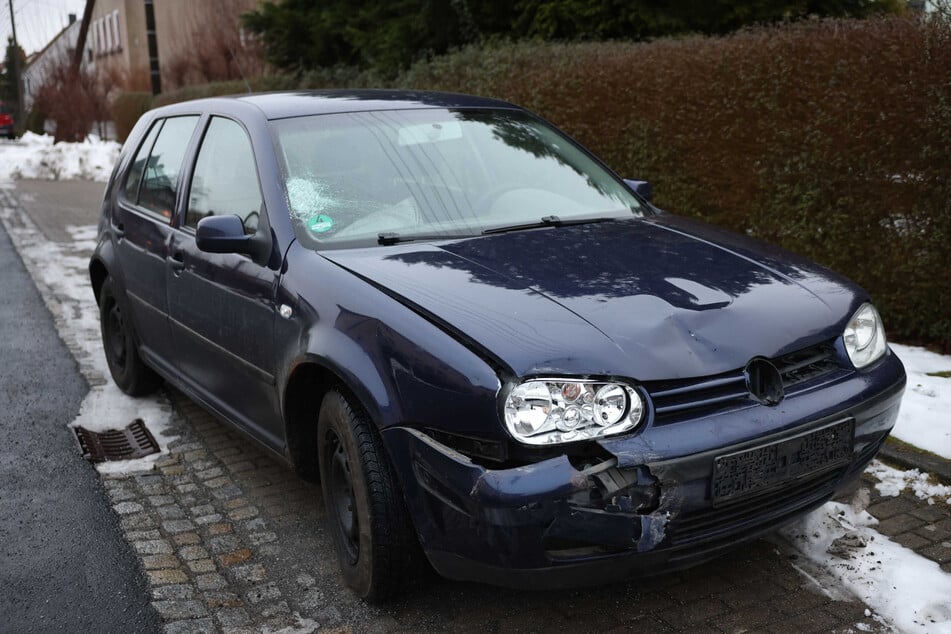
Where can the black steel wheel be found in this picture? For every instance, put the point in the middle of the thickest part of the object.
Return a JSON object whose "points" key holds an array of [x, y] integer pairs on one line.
{"points": [[118, 340], [372, 532], [341, 497]]}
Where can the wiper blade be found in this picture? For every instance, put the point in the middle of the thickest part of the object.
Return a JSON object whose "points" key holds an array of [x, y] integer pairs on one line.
{"points": [[390, 237], [548, 221]]}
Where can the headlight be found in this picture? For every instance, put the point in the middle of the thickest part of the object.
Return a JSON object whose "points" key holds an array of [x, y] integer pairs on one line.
{"points": [[553, 411], [864, 336]]}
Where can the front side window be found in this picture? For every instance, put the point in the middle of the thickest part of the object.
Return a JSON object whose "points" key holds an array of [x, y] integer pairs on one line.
{"points": [[225, 179], [160, 180], [367, 177]]}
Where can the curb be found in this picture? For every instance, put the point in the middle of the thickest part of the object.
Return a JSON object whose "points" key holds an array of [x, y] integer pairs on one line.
{"points": [[911, 457]]}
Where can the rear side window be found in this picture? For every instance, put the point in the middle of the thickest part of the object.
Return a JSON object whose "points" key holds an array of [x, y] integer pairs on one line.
{"points": [[131, 187], [159, 172]]}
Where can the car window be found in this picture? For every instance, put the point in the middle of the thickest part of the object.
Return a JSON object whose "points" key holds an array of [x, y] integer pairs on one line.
{"points": [[225, 179], [131, 187], [160, 182]]}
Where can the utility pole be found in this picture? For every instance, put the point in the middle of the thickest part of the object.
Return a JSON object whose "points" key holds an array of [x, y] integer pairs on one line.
{"points": [[83, 30], [21, 116]]}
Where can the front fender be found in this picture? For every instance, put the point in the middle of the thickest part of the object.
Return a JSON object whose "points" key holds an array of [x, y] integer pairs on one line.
{"points": [[404, 369]]}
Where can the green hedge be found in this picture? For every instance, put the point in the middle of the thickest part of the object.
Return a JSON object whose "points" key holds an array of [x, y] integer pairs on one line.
{"points": [[127, 107], [831, 138]]}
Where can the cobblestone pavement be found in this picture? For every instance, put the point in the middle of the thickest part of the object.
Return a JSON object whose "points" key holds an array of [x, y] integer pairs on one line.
{"points": [[231, 539], [914, 524]]}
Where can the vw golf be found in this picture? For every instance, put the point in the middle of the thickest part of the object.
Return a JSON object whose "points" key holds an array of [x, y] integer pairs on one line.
{"points": [[496, 355]]}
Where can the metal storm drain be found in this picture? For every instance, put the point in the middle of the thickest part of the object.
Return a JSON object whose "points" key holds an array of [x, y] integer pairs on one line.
{"points": [[134, 441]]}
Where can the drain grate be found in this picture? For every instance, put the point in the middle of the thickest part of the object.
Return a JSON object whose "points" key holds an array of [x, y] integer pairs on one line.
{"points": [[134, 441]]}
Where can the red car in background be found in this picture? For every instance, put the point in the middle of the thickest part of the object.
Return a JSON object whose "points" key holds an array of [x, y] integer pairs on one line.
{"points": [[6, 122]]}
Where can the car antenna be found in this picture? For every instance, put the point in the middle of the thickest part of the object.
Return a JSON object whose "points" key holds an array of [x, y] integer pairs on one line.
{"points": [[237, 65]]}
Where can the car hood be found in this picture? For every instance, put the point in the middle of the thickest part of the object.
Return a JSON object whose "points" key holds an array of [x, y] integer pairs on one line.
{"points": [[655, 298]]}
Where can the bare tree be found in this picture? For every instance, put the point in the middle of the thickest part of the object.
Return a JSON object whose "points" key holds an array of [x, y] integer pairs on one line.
{"points": [[215, 48], [73, 99]]}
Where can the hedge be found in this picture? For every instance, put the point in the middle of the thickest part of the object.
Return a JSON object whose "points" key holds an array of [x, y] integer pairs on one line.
{"points": [[831, 138], [127, 107]]}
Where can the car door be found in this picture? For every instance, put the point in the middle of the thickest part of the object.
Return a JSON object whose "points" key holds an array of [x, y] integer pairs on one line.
{"points": [[144, 207], [221, 305]]}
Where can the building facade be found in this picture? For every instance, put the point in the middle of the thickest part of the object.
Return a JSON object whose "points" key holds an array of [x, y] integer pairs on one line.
{"points": [[118, 43], [154, 45]]}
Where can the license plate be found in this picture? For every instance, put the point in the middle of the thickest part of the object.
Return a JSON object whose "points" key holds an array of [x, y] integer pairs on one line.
{"points": [[764, 467]]}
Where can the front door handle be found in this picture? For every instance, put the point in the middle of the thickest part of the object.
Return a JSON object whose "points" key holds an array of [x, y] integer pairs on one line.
{"points": [[176, 261], [119, 229]]}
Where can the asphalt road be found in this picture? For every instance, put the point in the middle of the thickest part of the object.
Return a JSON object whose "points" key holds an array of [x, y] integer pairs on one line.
{"points": [[64, 565]]}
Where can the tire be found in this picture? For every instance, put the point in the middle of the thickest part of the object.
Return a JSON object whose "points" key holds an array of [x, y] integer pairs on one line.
{"points": [[376, 544], [119, 342]]}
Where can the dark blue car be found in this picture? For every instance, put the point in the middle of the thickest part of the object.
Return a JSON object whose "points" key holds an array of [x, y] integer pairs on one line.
{"points": [[494, 353]]}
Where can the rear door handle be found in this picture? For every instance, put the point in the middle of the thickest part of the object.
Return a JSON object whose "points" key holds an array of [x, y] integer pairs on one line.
{"points": [[119, 228]]}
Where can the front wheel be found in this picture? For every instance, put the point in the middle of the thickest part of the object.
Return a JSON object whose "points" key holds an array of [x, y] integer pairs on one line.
{"points": [[373, 535], [131, 375]]}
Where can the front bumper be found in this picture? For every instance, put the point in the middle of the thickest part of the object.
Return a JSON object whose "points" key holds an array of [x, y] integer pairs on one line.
{"points": [[536, 526]]}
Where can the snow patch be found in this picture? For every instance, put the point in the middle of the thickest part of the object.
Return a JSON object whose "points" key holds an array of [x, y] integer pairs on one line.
{"points": [[908, 590], [301, 626], [891, 482], [36, 156], [923, 420], [61, 272]]}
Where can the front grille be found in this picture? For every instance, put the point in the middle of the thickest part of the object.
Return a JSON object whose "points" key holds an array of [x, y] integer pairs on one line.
{"points": [[766, 507], [807, 364], [690, 398]]}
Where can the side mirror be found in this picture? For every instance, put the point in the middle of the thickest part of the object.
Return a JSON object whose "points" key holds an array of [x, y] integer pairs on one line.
{"points": [[644, 189], [225, 234]]}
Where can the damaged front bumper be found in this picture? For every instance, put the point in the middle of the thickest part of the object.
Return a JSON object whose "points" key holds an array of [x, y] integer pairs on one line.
{"points": [[647, 507]]}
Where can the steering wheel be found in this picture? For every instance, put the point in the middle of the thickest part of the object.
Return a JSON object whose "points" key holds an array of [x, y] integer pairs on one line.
{"points": [[483, 204]]}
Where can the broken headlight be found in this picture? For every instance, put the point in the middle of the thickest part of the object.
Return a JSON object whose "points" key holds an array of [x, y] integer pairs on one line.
{"points": [[554, 411]]}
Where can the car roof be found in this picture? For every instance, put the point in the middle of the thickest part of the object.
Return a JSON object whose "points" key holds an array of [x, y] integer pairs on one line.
{"points": [[281, 105]]}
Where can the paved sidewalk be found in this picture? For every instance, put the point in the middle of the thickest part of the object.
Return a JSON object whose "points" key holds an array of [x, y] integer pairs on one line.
{"points": [[233, 540]]}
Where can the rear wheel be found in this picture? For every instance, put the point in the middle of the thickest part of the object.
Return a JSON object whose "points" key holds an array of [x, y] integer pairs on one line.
{"points": [[373, 535], [118, 339]]}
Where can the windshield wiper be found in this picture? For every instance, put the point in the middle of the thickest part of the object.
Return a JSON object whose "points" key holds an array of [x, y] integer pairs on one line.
{"points": [[548, 221], [391, 237]]}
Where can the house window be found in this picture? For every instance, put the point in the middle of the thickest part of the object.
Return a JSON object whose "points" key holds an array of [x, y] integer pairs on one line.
{"points": [[117, 40], [100, 41]]}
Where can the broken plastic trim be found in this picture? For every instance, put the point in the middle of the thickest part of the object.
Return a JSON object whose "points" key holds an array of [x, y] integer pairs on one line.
{"points": [[135, 441]]}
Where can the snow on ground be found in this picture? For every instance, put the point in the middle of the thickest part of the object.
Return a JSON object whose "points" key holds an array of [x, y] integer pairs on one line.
{"points": [[60, 271], [925, 417], [892, 482], [36, 156], [909, 591]]}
